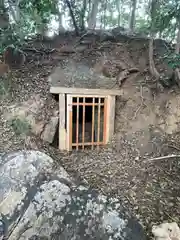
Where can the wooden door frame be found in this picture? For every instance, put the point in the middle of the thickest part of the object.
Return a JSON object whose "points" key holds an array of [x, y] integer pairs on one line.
{"points": [[109, 115]]}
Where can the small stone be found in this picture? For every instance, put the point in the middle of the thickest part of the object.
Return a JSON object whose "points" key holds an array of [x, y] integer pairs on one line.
{"points": [[170, 204], [166, 231], [50, 130]]}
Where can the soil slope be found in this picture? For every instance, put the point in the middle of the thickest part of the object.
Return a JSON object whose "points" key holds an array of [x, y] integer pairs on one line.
{"points": [[149, 188]]}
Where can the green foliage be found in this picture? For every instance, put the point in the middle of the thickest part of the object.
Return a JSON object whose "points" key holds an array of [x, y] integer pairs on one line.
{"points": [[79, 8], [16, 33], [165, 20], [7, 37], [44, 8], [4, 87], [173, 60], [142, 26], [36, 15], [19, 126]]}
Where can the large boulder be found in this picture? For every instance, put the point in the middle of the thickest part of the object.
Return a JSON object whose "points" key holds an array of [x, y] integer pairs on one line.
{"points": [[38, 202], [36, 115]]}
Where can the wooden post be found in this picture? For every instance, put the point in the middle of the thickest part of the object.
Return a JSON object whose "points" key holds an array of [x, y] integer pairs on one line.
{"points": [[105, 120], [62, 130], [93, 114], [99, 122], [69, 123], [77, 124], [83, 123], [110, 117]]}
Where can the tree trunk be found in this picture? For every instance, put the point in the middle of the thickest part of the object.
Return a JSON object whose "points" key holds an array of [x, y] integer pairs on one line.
{"points": [[105, 14], [93, 15], [72, 16], [111, 18], [60, 19], [83, 11], [15, 10], [177, 49], [60, 27], [89, 9], [4, 17], [101, 22], [40, 24], [178, 40], [119, 19], [104, 20], [152, 67], [132, 18], [160, 34], [119, 12]]}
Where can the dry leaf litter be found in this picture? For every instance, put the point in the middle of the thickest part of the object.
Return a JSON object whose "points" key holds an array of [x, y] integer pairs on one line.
{"points": [[150, 189]]}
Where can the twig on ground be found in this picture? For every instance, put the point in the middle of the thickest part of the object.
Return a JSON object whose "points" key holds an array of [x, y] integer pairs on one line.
{"points": [[163, 157], [173, 219], [135, 115], [172, 146]]}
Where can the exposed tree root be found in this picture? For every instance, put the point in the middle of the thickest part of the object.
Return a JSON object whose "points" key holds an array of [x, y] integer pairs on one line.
{"points": [[123, 75], [152, 67]]}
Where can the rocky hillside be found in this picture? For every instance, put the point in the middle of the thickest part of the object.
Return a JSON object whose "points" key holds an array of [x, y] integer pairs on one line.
{"points": [[147, 119]]}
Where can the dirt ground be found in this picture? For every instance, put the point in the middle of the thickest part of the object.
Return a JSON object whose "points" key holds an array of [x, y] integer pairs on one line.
{"points": [[125, 168]]}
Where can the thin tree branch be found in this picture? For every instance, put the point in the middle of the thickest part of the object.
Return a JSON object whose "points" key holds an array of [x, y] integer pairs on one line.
{"points": [[162, 158]]}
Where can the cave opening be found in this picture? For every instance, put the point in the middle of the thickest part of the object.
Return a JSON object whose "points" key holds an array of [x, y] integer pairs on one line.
{"points": [[87, 115], [87, 122]]}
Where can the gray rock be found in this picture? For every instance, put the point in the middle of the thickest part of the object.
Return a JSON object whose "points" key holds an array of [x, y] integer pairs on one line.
{"points": [[37, 202], [50, 130], [32, 114]]}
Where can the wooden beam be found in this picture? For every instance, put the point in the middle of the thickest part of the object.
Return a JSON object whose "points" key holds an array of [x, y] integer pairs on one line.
{"points": [[86, 91], [110, 117], [88, 95], [62, 130]]}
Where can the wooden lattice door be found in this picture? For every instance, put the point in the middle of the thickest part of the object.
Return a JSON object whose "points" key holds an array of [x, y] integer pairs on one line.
{"points": [[86, 121]]}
